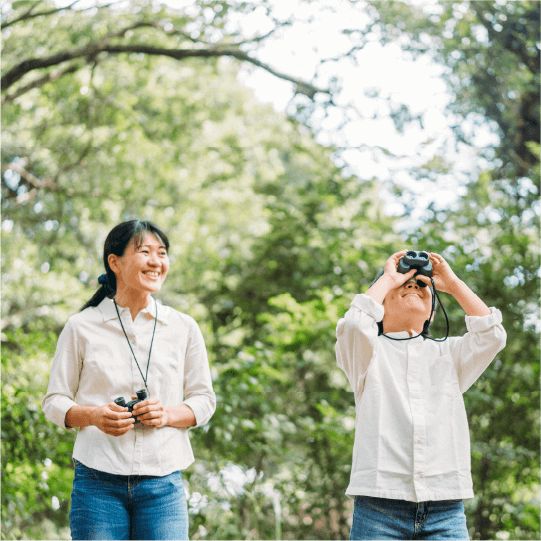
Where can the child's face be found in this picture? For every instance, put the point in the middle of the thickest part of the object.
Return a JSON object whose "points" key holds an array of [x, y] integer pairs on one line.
{"points": [[408, 303]]}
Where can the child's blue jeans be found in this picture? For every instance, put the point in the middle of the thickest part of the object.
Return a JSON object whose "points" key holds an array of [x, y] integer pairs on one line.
{"points": [[382, 518], [108, 506]]}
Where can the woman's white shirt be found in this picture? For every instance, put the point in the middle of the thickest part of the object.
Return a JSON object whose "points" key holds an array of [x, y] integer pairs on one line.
{"points": [[93, 365]]}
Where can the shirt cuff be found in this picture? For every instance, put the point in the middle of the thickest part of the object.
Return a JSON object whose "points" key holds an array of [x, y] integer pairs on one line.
{"points": [[196, 424], [201, 416], [483, 323], [58, 410], [369, 306]]}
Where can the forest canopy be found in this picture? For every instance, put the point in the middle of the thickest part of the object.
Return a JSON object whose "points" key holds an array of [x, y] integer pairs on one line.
{"points": [[120, 110]]}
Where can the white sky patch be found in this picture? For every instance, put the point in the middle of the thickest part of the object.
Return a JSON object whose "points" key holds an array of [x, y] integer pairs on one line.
{"points": [[381, 72]]}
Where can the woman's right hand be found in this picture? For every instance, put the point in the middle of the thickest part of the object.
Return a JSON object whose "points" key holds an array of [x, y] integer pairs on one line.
{"points": [[113, 419]]}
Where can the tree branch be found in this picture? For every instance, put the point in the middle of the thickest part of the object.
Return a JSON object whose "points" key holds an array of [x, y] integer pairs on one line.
{"points": [[180, 54], [30, 15], [25, 15], [259, 39], [90, 51], [531, 62], [17, 72], [19, 168], [37, 184], [40, 82]]}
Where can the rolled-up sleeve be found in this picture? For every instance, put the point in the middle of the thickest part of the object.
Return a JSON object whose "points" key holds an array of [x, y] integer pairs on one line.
{"points": [[473, 352], [356, 339], [198, 393], [64, 377]]}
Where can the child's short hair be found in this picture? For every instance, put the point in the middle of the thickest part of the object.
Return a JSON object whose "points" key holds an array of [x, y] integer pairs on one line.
{"points": [[426, 327]]}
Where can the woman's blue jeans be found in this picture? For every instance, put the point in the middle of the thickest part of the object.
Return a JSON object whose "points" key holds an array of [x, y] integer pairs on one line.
{"points": [[108, 506], [382, 518]]}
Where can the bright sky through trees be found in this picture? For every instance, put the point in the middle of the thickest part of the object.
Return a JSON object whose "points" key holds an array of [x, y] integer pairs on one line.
{"points": [[381, 72], [385, 71]]}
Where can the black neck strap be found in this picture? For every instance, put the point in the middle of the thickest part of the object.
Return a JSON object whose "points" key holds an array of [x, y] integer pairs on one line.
{"points": [[150, 351]]}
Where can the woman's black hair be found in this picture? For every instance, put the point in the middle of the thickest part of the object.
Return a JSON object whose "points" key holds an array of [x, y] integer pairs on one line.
{"points": [[426, 327], [116, 243]]}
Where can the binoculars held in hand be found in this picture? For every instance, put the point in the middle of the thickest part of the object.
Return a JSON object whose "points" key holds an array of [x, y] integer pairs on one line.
{"points": [[418, 261], [141, 395]]}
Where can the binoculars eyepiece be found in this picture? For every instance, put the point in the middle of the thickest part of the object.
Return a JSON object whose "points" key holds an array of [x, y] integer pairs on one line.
{"points": [[418, 261], [141, 395]]}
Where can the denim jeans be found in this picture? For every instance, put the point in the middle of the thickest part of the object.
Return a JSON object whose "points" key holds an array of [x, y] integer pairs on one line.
{"points": [[108, 506], [382, 518]]}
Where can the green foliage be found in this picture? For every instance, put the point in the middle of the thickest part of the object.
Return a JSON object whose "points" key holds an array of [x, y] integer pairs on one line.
{"points": [[491, 51], [36, 457], [261, 223], [270, 241], [492, 58], [500, 260]]}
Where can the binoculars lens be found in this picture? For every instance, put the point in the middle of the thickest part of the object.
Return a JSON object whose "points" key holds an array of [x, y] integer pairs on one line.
{"points": [[417, 255]]}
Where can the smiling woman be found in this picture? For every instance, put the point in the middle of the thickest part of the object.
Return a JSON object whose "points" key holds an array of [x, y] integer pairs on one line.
{"points": [[122, 246], [128, 461], [140, 271]]}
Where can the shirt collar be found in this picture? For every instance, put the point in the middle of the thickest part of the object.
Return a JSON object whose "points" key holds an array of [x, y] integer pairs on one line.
{"points": [[403, 334], [108, 310]]}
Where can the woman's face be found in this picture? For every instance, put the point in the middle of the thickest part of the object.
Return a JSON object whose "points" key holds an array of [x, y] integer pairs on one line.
{"points": [[143, 267]]}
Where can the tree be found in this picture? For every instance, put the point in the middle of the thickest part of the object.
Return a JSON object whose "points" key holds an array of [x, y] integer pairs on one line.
{"points": [[229, 180], [207, 38], [492, 52], [492, 55], [271, 238], [497, 257]]}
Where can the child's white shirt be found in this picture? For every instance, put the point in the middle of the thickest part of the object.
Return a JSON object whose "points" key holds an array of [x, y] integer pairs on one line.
{"points": [[411, 431]]}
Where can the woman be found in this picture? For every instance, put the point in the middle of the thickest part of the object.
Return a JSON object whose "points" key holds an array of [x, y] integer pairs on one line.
{"points": [[128, 483]]}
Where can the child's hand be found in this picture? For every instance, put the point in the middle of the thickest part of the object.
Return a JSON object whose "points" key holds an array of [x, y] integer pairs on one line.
{"points": [[391, 278], [395, 278], [444, 278]]}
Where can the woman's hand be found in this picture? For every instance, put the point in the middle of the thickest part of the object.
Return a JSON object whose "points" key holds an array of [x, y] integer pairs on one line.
{"points": [[151, 412], [444, 278], [112, 419]]}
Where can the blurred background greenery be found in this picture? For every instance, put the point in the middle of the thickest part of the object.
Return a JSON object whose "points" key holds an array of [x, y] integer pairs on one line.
{"points": [[272, 235]]}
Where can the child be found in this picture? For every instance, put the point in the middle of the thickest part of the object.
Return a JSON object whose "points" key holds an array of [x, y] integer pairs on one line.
{"points": [[411, 457]]}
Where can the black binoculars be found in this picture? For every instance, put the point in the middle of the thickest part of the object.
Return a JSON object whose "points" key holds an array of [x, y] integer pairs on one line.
{"points": [[416, 260], [141, 395]]}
